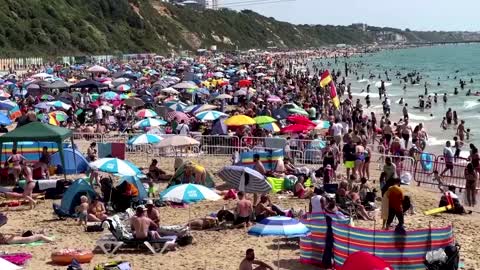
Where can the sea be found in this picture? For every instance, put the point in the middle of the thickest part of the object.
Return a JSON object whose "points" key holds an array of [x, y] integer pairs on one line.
{"points": [[444, 64]]}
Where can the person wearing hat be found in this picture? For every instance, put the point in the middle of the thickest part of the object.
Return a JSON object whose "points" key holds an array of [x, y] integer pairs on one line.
{"points": [[152, 212], [142, 226]]}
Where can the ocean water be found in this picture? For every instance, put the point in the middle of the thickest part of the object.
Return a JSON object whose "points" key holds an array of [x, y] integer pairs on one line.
{"points": [[445, 64]]}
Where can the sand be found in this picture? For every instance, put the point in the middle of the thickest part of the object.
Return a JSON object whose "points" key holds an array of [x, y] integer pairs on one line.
{"points": [[215, 250]]}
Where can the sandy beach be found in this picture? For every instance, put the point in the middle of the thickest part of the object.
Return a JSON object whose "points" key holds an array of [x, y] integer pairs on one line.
{"points": [[217, 250]]}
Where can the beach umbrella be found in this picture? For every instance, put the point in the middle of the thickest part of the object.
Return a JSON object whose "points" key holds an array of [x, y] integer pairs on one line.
{"points": [[179, 116], [109, 95], [362, 260], [273, 98], [209, 115], [281, 227], [176, 106], [271, 127], [298, 111], [115, 166], [149, 122], [59, 116], [145, 113], [60, 84], [97, 69], [59, 104], [296, 128], [178, 141], [124, 87], [145, 139], [240, 120], [244, 179], [119, 81], [188, 193], [322, 125], [134, 102], [41, 105], [223, 96], [300, 119], [218, 74], [244, 83], [264, 119], [42, 75], [241, 92], [185, 85], [4, 94], [279, 114], [194, 109], [47, 97], [170, 90], [106, 108], [33, 86], [5, 120]]}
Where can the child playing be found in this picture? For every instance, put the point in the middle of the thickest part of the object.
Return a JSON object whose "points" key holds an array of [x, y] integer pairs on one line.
{"points": [[468, 134], [82, 210], [438, 178]]}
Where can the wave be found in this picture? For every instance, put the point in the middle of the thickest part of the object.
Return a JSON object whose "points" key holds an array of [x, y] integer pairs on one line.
{"points": [[420, 117], [363, 80], [432, 141], [373, 94], [470, 104]]}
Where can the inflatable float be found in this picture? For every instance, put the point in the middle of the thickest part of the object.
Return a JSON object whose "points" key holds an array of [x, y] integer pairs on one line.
{"points": [[66, 256], [426, 161]]}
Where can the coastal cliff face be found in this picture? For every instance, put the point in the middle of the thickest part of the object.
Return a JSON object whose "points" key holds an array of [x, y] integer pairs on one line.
{"points": [[72, 27]]}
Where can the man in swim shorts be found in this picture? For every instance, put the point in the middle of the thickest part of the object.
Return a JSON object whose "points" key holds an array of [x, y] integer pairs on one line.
{"points": [[349, 157], [244, 210]]}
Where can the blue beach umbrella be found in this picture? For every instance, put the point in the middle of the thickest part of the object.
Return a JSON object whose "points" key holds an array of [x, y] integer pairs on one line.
{"points": [[279, 226], [115, 166], [149, 122], [209, 115], [59, 104], [188, 193], [145, 139], [176, 106], [109, 95], [7, 105]]}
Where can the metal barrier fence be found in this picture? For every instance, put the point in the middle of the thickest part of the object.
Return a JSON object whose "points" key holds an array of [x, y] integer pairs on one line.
{"points": [[218, 145], [450, 173], [405, 165]]}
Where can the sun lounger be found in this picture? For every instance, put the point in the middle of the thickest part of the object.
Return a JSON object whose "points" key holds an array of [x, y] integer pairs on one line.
{"points": [[119, 237]]}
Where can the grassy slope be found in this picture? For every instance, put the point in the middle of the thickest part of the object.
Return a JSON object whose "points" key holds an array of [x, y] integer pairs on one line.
{"points": [[63, 27]]}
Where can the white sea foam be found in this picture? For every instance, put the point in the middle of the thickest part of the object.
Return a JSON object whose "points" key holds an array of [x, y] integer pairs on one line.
{"points": [[470, 104], [363, 80], [420, 117], [432, 141]]}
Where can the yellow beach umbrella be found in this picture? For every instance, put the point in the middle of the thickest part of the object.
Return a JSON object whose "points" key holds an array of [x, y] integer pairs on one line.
{"points": [[239, 120]]}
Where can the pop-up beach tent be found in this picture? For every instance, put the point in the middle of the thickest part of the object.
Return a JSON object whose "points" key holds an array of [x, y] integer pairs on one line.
{"points": [[38, 132], [74, 161]]}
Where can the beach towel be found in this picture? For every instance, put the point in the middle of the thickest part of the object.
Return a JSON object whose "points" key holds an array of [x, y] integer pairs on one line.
{"points": [[46, 184], [6, 265], [16, 258]]}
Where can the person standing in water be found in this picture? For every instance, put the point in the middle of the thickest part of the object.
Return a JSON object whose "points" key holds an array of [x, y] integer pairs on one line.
{"points": [[461, 131], [449, 116]]}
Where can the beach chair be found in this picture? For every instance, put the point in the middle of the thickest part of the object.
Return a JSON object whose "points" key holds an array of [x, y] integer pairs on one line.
{"points": [[120, 237]]}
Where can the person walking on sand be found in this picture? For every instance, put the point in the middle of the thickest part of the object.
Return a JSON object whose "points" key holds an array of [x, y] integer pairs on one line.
{"points": [[448, 155], [249, 260], [471, 177]]}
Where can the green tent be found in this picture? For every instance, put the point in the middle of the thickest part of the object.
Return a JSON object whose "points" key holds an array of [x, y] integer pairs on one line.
{"points": [[38, 132]]}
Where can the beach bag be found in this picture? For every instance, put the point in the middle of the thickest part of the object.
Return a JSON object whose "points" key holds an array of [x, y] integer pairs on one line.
{"points": [[113, 266]]}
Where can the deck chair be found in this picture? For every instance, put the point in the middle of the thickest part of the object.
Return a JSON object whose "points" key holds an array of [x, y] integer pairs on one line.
{"points": [[120, 236]]}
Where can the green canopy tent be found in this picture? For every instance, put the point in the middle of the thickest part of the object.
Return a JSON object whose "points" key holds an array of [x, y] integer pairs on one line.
{"points": [[38, 132]]}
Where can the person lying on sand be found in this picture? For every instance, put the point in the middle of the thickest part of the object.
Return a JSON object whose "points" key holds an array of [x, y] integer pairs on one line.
{"points": [[206, 223], [26, 238], [249, 260]]}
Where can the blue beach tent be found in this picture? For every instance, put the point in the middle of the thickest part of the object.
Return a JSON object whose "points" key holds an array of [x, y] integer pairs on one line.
{"points": [[75, 162]]}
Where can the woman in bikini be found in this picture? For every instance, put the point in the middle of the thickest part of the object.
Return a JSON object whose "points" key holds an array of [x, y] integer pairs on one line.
{"points": [[29, 185], [16, 160], [10, 239], [97, 211]]}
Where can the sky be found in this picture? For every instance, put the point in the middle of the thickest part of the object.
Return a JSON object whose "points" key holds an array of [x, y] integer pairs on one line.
{"points": [[446, 15]]}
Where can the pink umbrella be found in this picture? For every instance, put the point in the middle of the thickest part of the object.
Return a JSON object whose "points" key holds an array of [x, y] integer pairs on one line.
{"points": [[179, 116], [273, 98], [296, 128]]}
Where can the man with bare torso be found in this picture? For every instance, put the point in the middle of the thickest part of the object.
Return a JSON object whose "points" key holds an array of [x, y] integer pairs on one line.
{"points": [[249, 260], [244, 210], [141, 224]]}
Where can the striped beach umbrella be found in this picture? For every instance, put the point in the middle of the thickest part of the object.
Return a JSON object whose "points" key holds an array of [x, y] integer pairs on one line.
{"points": [[279, 226], [244, 179], [145, 139], [149, 122], [209, 115], [4, 94], [179, 116], [59, 116], [176, 106], [271, 127], [59, 105], [188, 193], [115, 166], [145, 113]]}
